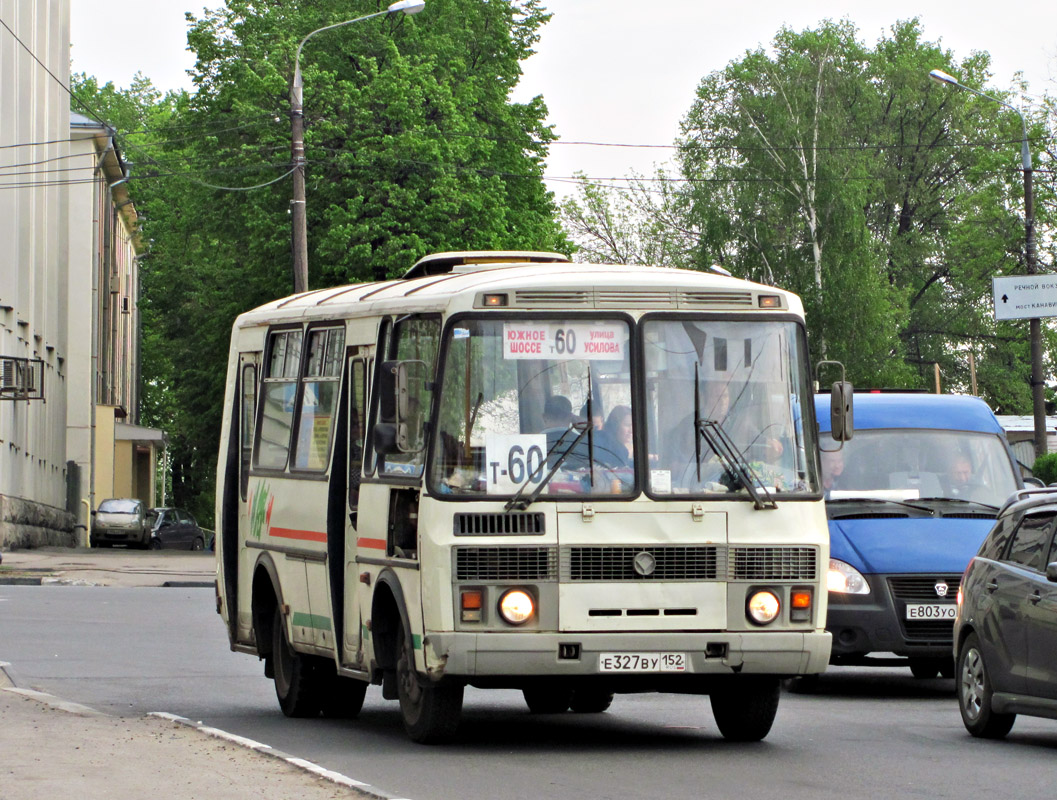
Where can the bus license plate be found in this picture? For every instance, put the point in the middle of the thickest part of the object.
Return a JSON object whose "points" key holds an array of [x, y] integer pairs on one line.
{"points": [[932, 611], [642, 662]]}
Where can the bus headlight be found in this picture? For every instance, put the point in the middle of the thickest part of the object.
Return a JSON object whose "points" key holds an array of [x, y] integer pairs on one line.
{"points": [[845, 579], [763, 607], [516, 606]]}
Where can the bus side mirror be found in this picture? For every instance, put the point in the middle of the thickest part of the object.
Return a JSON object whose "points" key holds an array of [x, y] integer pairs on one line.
{"points": [[400, 428], [841, 416]]}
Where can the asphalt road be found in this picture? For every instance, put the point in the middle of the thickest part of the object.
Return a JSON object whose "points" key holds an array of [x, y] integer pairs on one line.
{"points": [[867, 733]]}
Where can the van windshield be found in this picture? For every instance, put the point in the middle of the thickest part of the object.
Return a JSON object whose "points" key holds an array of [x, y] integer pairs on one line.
{"points": [[915, 464]]}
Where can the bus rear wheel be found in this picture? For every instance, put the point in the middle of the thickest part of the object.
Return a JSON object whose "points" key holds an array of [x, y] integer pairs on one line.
{"points": [[547, 699], [430, 712], [294, 677], [745, 708], [591, 701]]}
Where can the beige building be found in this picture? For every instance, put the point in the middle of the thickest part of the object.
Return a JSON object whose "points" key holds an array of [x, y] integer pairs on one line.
{"points": [[69, 290]]}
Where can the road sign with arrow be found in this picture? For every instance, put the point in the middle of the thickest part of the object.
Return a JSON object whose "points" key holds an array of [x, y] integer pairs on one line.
{"points": [[1025, 296]]}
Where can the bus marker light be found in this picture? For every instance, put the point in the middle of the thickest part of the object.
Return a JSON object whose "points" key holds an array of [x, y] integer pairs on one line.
{"points": [[800, 606], [494, 300], [769, 301], [471, 606]]}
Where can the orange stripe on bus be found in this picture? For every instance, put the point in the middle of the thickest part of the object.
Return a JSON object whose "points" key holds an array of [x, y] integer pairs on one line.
{"points": [[373, 544], [306, 536]]}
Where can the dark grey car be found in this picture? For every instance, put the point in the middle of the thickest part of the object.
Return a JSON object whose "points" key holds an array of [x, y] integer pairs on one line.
{"points": [[1005, 634], [175, 528]]}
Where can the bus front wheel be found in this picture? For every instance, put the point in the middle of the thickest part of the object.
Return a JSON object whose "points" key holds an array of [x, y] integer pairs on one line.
{"points": [[430, 711], [744, 710]]}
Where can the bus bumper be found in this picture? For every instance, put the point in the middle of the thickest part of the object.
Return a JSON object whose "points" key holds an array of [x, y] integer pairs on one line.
{"points": [[784, 653]]}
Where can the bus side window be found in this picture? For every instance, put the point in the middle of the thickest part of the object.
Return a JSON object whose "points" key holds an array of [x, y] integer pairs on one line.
{"points": [[248, 413], [278, 397], [319, 397], [357, 410]]}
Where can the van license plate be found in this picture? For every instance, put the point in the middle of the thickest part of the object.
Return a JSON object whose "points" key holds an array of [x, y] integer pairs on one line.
{"points": [[642, 662], [932, 611]]}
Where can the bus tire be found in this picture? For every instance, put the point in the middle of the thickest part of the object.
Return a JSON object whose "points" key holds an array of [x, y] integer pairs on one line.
{"points": [[547, 699], [341, 697], [592, 700], [744, 709], [430, 711], [296, 684]]}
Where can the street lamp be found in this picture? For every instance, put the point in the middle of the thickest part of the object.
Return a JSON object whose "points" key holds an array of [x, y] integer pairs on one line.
{"points": [[297, 120], [1038, 399]]}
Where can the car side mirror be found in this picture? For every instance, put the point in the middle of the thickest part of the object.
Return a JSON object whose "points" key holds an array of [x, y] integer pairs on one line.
{"points": [[1051, 572]]}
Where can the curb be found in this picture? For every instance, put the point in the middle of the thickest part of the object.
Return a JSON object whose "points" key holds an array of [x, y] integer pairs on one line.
{"points": [[266, 749], [365, 789], [20, 580]]}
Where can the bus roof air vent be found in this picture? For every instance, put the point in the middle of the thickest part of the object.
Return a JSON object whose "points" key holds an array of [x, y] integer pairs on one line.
{"points": [[472, 260]]}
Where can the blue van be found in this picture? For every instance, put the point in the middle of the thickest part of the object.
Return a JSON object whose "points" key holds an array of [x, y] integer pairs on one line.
{"points": [[909, 498]]}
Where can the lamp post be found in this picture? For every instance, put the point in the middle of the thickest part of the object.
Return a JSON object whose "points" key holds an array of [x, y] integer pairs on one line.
{"points": [[1038, 399], [297, 148]]}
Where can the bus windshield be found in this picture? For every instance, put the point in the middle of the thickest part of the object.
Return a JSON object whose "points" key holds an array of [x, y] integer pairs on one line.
{"points": [[715, 381], [536, 407]]}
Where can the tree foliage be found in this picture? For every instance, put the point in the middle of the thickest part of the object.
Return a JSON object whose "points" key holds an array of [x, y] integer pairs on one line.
{"points": [[413, 146], [839, 171]]}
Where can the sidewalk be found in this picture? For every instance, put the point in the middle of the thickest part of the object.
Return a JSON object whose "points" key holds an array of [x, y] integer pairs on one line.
{"points": [[50, 748], [107, 566]]}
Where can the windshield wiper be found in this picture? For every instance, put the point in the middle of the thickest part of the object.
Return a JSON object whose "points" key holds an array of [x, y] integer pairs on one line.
{"points": [[881, 501], [960, 500], [728, 453], [521, 504]]}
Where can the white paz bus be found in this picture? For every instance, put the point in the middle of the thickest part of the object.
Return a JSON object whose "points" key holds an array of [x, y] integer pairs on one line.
{"points": [[508, 470]]}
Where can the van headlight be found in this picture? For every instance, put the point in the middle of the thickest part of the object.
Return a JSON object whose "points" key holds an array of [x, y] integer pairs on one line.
{"points": [[845, 579], [763, 607]]}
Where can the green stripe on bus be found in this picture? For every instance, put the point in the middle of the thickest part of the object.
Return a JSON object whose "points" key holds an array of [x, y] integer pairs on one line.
{"points": [[302, 620]]}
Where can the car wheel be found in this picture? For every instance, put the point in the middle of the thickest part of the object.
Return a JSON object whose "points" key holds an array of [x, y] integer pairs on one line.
{"points": [[155, 544], [198, 544], [744, 709], [294, 678], [975, 693], [591, 701], [547, 699], [430, 712]]}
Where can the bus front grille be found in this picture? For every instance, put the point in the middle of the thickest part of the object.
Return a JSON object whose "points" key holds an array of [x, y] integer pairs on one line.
{"points": [[773, 563], [505, 563], [640, 563], [504, 524]]}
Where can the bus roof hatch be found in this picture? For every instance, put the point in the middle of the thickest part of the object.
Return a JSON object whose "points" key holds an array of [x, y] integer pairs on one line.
{"points": [[442, 263]]}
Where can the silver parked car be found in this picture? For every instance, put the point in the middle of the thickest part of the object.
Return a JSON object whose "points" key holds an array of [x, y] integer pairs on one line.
{"points": [[121, 521], [1005, 634]]}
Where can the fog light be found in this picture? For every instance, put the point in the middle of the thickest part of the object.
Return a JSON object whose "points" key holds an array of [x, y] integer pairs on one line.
{"points": [[516, 606], [763, 607]]}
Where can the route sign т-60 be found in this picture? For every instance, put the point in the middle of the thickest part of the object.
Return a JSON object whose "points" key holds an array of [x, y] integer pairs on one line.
{"points": [[1025, 296]]}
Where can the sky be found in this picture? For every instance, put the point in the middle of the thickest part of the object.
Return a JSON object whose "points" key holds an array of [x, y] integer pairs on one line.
{"points": [[609, 72]]}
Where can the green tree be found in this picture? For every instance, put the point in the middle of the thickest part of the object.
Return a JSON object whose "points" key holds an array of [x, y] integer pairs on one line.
{"points": [[413, 147]]}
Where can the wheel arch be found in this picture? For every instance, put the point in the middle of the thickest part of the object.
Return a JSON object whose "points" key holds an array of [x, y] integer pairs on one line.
{"points": [[266, 596], [388, 614]]}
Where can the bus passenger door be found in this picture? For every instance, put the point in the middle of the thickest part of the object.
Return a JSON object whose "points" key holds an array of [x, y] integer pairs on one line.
{"points": [[357, 369], [237, 561]]}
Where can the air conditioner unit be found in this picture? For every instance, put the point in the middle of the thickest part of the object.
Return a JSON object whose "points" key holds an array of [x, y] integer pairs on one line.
{"points": [[29, 378], [9, 370]]}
